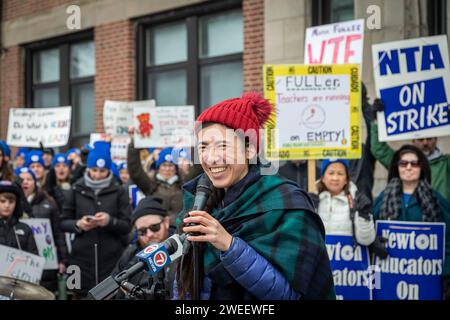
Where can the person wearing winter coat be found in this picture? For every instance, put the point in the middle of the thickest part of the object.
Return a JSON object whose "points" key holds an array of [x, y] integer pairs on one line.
{"points": [[98, 212], [343, 210], [259, 236], [44, 207], [13, 233], [409, 196], [151, 225], [58, 184]]}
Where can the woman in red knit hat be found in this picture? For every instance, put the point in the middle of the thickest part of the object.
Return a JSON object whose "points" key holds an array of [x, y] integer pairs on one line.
{"points": [[259, 236]]}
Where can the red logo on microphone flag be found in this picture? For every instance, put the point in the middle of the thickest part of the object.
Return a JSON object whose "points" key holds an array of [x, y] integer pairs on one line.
{"points": [[160, 259], [151, 248]]}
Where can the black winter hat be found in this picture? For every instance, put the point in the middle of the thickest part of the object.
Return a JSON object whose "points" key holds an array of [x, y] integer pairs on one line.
{"points": [[147, 206], [14, 188]]}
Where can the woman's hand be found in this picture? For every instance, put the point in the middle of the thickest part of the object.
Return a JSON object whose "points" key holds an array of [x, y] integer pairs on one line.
{"points": [[211, 229], [102, 219], [86, 224]]}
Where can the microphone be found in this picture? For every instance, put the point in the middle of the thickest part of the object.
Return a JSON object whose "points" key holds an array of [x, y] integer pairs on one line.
{"points": [[203, 191], [153, 258]]}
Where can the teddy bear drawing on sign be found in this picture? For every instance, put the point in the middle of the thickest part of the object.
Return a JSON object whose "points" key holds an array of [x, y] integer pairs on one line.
{"points": [[145, 127]]}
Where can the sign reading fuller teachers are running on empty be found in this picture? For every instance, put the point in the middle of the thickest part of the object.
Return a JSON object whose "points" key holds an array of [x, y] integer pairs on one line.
{"points": [[318, 111], [412, 77]]}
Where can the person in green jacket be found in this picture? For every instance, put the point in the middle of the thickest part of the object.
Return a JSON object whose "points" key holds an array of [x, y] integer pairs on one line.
{"points": [[439, 163], [409, 197]]}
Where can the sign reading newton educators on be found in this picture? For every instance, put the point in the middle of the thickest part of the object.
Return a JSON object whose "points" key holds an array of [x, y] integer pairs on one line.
{"points": [[163, 126], [353, 279], [20, 264], [416, 260], [27, 127], [118, 115], [43, 235], [335, 43], [318, 111], [412, 77]]}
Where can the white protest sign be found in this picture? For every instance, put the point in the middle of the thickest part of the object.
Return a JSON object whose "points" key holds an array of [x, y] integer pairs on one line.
{"points": [[163, 126], [336, 43], [29, 126], [43, 235], [20, 264], [94, 137], [118, 115], [119, 148], [412, 77]]}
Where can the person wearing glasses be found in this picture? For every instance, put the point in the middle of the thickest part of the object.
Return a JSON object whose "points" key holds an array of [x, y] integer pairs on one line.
{"points": [[151, 224], [409, 197], [439, 162]]}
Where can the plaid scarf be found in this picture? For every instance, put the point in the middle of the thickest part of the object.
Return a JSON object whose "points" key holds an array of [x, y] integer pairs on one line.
{"points": [[391, 206], [277, 219]]}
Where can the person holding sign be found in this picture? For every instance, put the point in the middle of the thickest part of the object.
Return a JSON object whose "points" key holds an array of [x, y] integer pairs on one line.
{"points": [[5, 169], [344, 210], [259, 236], [409, 197], [98, 212], [439, 162], [43, 206], [13, 233]]}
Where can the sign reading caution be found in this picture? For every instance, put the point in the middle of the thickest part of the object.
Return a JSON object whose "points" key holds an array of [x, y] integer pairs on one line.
{"points": [[318, 111]]}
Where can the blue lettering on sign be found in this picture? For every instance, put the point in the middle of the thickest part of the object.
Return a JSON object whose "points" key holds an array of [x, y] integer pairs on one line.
{"points": [[415, 106], [389, 61]]}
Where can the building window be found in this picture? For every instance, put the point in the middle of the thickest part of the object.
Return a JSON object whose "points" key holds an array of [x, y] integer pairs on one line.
{"points": [[332, 11], [62, 73], [193, 59]]}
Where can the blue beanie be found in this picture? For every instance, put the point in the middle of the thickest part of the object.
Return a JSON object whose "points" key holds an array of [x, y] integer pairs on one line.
{"points": [[123, 166], [100, 156], [18, 171], [115, 171], [60, 158], [150, 150], [5, 148], [327, 162], [165, 156], [22, 152], [34, 156], [181, 153], [74, 150]]}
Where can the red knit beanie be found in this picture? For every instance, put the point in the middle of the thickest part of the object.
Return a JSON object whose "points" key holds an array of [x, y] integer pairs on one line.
{"points": [[251, 111]]}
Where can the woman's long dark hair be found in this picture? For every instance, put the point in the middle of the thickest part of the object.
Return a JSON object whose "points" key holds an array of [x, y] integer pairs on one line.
{"points": [[425, 171], [5, 169]]}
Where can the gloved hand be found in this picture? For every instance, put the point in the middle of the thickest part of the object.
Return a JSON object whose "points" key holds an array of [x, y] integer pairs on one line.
{"points": [[378, 247], [377, 106], [363, 205]]}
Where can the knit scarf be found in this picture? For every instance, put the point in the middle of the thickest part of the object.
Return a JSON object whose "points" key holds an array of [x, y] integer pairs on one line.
{"points": [[391, 206], [97, 185]]}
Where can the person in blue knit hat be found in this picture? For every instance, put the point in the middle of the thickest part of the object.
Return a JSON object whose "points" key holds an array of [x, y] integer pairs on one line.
{"points": [[35, 162], [98, 211], [19, 159], [123, 173]]}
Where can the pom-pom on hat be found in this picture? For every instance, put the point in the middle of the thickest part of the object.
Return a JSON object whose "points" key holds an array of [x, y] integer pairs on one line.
{"points": [[60, 158], [251, 111], [34, 156]]}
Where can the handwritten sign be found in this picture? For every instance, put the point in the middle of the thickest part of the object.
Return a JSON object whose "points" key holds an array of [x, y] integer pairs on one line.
{"points": [[335, 43], [29, 126], [20, 264], [118, 115], [163, 126], [412, 77], [119, 145], [416, 259], [43, 235], [318, 111]]}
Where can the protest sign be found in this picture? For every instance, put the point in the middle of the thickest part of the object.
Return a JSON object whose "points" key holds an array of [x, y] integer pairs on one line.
{"points": [[135, 194], [412, 77], [353, 278], [163, 126], [27, 127], [416, 259], [94, 137], [335, 43], [43, 235], [118, 115], [20, 264], [119, 145], [317, 111]]}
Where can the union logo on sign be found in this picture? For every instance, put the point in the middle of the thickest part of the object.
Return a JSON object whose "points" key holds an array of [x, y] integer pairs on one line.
{"points": [[160, 259]]}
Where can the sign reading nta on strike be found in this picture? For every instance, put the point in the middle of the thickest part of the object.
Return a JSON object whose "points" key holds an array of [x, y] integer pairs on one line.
{"points": [[317, 111]]}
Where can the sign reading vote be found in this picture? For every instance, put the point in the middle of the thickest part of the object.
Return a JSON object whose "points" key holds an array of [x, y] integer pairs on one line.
{"points": [[416, 259], [335, 43], [28, 127], [412, 77], [353, 278]]}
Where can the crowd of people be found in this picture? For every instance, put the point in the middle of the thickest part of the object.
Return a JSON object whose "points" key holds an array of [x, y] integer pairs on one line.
{"points": [[262, 235]]}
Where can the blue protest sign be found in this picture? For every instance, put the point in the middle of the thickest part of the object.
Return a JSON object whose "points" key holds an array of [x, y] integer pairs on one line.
{"points": [[412, 77], [415, 263], [135, 195], [350, 267]]}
